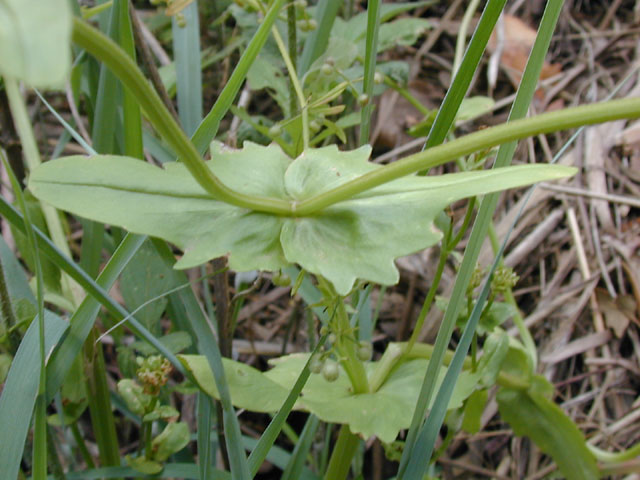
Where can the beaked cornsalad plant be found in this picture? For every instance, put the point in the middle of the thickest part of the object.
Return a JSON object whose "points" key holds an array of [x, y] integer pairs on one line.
{"points": [[339, 218]]}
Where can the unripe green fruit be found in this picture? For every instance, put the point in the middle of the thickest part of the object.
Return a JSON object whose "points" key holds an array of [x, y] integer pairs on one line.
{"points": [[332, 338], [326, 69], [307, 25], [330, 371], [275, 130], [365, 350], [316, 364], [300, 4], [378, 78], [315, 125]]}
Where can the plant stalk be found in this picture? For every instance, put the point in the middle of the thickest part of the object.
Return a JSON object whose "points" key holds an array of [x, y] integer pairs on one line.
{"points": [[343, 451], [103, 48], [625, 108]]}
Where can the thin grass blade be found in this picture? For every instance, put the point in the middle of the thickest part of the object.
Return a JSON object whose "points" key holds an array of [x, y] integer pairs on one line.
{"points": [[482, 222], [130, 109], [84, 317], [301, 450], [20, 391], [463, 77], [208, 129], [317, 41], [268, 437], [186, 52], [371, 53], [208, 346]]}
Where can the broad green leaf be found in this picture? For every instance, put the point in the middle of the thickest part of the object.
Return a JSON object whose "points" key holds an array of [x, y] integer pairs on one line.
{"points": [[173, 438], [473, 409], [534, 415], [143, 465], [35, 41], [143, 280], [357, 238], [250, 389], [175, 342], [383, 413], [404, 32]]}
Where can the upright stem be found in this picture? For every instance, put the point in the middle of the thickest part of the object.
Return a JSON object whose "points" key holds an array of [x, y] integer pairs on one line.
{"points": [[293, 76], [6, 312], [128, 72], [32, 157], [293, 54], [343, 451], [480, 140]]}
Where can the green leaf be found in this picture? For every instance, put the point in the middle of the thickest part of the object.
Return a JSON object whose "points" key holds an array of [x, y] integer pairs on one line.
{"points": [[50, 273], [357, 238], [20, 390], [534, 415], [383, 413], [144, 279], [173, 438], [175, 342], [473, 408], [35, 41], [143, 465], [133, 395], [404, 32]]}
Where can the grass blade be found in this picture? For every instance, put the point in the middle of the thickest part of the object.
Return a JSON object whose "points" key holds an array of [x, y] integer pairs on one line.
{"points": [[208, 129], [186, 52], [463, 77], [130, 109], [301, 450], [40, 428], [268, 437], [371, 53], [317, 41], [20, 391], [84, 317], [485, 214], [88, 284], [208, 346]]}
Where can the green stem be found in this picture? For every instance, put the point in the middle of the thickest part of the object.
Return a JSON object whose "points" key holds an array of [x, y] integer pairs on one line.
{"points": [[103, 48], [99, 403], [483, 139], [343, 452], [345, 345], [293, 76], [518, 321], [84, 451], [127, 71], [6, 311], [32, 157], [292, 42], [209, 126], [615, 457], [373, 25], [462, 34], [431, 294], [396, 351]]}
